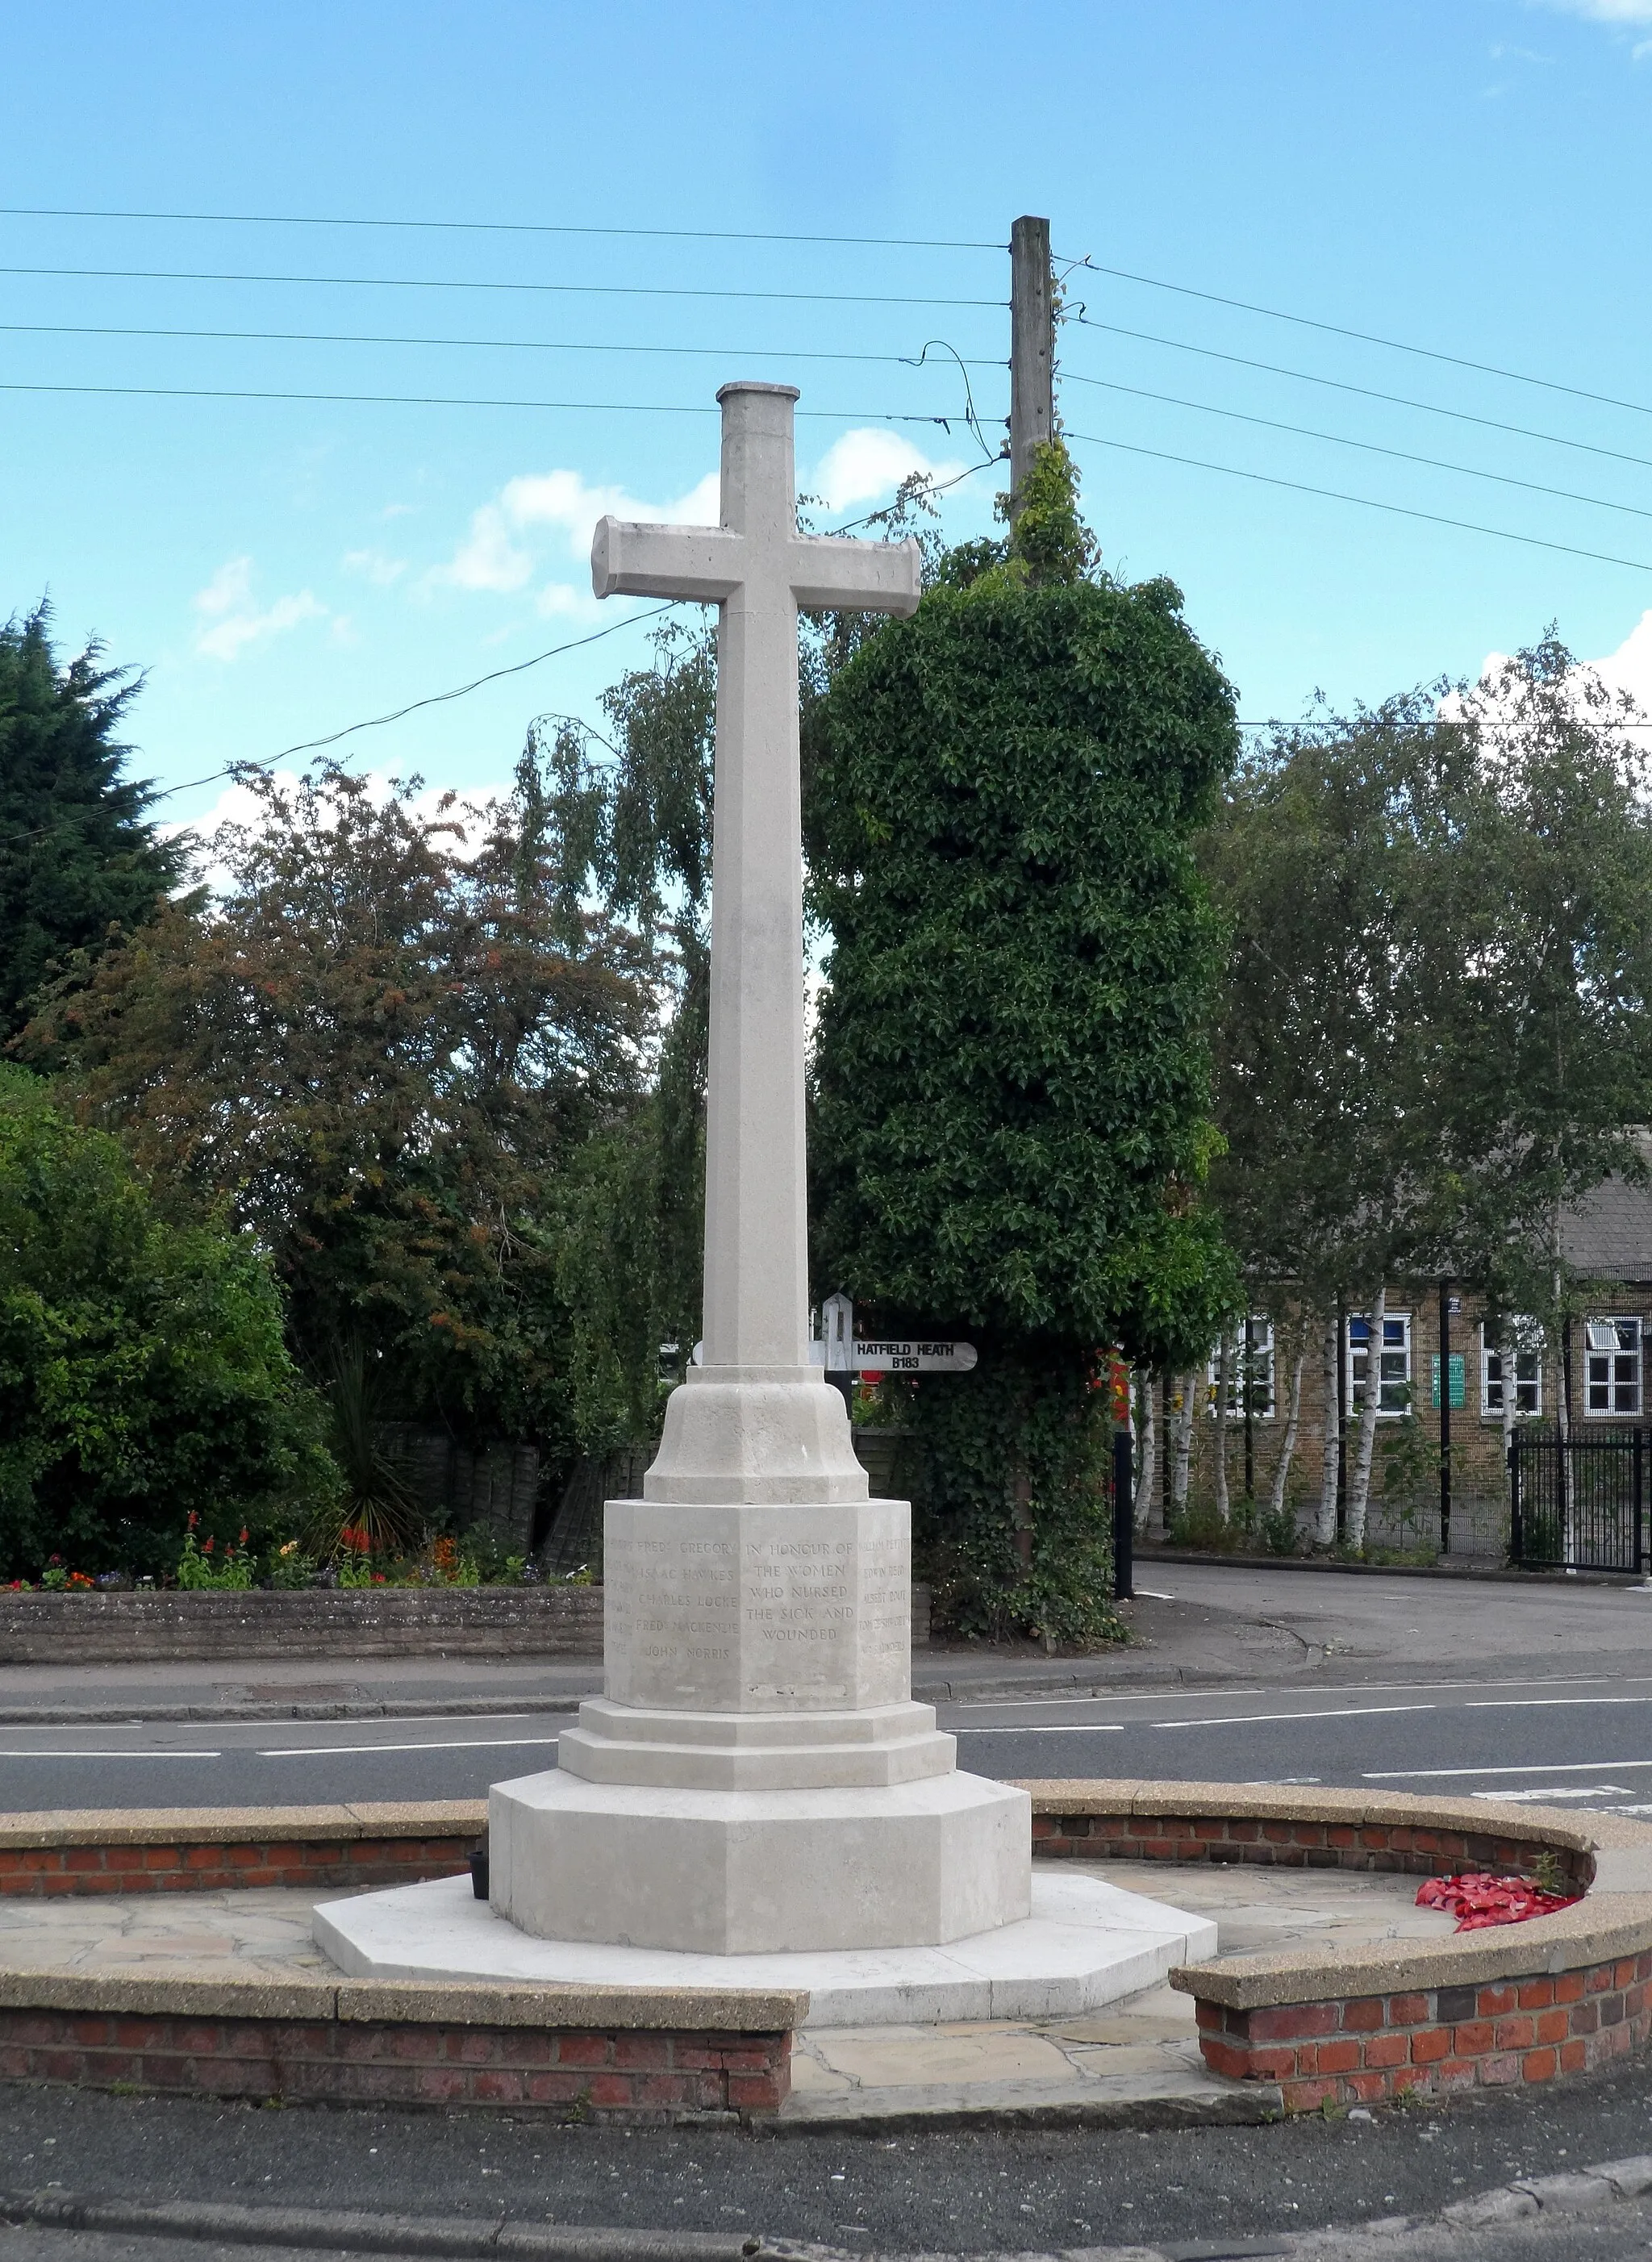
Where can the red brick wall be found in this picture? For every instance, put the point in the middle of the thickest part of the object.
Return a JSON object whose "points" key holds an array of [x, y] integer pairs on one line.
{"points": [[1351, 2050], [621, 2075], [1406, 1848], [38, 1871]]}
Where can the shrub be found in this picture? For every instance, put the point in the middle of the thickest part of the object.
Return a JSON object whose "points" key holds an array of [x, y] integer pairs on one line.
{"points": [[143, 1374]]}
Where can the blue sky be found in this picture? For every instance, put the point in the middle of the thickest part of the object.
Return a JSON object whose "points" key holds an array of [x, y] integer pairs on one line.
{"points": [[1469, 176]]}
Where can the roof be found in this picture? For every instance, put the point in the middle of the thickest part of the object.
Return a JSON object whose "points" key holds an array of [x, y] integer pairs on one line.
{"points": [[1608, 1235]]}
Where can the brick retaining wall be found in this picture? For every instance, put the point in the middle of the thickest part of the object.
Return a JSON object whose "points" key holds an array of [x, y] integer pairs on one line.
{"points": [[1351, 2050], [165, 1625], [196, 1850], [1406, 1848], [618, 2073]]}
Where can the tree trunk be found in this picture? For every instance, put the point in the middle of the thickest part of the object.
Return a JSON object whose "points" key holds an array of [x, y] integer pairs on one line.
{"points": [[1325, 1524], [1288, 1448], [1365, 1446], [1220, 1442], [1182, 1431], [1147, 1472]]}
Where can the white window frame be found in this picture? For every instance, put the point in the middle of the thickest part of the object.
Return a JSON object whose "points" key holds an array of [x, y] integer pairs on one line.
{"points": [[1395, 1350], [1526, 1338], [1259, 1327], [1615, 1370]]}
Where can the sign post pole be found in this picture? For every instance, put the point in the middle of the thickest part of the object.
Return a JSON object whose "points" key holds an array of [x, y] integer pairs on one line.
{"points": [[1123, 1518]]}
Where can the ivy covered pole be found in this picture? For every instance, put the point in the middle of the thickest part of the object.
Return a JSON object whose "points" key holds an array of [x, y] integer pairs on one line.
{"points": [[1032, 352]]}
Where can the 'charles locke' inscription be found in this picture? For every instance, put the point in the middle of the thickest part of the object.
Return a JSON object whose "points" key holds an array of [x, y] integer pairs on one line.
{"points": [[686, 1595]]}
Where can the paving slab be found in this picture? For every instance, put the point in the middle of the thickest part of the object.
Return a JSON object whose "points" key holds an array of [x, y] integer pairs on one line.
{"points": [[1134, 2063]]}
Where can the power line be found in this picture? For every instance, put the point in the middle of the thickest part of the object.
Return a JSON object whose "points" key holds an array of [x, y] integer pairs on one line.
{"points": [[463, 690], [1371, 447], [1365, 391], [513, 345], [377, 722], [440, 283], [1369, 338], [502, 227], [1366, 502], [466, 400]]}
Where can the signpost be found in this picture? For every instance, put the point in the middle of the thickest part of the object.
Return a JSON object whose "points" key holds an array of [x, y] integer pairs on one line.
{"points": [[845, 1354], [913, 1355]]}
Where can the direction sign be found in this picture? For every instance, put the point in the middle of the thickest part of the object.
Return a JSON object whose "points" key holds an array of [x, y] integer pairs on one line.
{"points": [[913, 1355]]}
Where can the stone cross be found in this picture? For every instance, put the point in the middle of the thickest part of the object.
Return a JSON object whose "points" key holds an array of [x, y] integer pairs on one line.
{"points": [[755, 1776], [759, 571]]}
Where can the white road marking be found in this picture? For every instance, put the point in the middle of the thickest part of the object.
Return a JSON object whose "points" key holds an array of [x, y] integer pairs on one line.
{"points": [[1354, 1689], [1559, 1790], [39, 1754], [1033, 1728], [1505, 1704], [460, 1744], [1544, 1767], [1333, 1712]]}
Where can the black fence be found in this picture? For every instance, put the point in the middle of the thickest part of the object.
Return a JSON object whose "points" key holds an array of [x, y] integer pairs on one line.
{"points": [[1578, 1503]]}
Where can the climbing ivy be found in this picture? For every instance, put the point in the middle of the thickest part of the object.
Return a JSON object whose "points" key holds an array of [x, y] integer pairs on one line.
{"points": [[1010, 1088]]}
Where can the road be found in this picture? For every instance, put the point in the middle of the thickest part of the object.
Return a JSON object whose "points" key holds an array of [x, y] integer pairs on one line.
{"points": [[1582, 1742]]}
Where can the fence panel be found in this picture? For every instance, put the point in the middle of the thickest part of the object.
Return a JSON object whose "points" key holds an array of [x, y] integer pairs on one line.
{"points": [[1578, 1503]]}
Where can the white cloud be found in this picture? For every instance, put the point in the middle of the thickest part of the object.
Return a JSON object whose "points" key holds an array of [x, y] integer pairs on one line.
{"points": [[239, 805], [487, 558], [500, 553], [559, 599], [231, 620], [870, 463], [375, 566], [559, 509], [1629, 668], [1604, 12]]}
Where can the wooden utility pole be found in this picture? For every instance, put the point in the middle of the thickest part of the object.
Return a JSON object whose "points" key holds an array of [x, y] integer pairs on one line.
{"points": [[1032, 349]]}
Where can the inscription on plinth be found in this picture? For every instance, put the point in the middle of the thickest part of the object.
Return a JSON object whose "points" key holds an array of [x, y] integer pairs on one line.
{"points": [[742, 1609]]}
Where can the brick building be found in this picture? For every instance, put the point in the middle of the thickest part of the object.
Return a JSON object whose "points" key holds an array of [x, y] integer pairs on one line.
{"points": [[1602, 1360]]}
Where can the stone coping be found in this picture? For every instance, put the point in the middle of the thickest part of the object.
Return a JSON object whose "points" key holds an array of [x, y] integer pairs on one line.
{"points": [[204, 1991], [1533, 1826], [1613, 1920], [220, 1826]]}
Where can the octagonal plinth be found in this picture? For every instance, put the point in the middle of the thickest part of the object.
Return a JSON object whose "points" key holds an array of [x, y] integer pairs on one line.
{"points": [[741, 1872]]}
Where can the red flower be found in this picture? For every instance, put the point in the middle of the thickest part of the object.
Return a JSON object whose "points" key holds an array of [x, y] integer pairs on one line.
{"points": [[207, 1546], [242, 1540], [194, 1519], [1477, 1901]]}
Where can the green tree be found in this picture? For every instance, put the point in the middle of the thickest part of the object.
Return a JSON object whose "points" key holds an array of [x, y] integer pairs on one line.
{"points": [[379, 1046], [77, 856], [624, 815], [1010, 1130], [143, 1374], [1435, 1030]]}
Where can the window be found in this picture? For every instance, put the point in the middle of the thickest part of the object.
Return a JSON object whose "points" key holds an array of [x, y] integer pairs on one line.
{"points": [[1256, 1344], [1514, 1352], [1394, 1363], [1612, 1380]]}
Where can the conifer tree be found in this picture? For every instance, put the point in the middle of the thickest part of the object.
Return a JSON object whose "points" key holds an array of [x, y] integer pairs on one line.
{"points": [[78, 857]]}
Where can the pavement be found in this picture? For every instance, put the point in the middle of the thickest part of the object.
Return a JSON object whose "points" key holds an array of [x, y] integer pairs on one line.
{"points": [[1192, 1626], [1138, 2060], [1500, 2175]]}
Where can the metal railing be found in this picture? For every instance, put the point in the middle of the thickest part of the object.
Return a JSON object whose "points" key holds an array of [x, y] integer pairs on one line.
{"points": [[1578, 1503]]}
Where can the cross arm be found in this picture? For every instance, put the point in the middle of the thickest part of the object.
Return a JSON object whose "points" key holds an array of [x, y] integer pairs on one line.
{"points": [[632, 560], [831, 573]]}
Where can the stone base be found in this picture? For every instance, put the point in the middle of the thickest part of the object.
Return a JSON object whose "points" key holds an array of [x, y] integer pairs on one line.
{"points": [[1085, 1944], [759, 1872]]}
